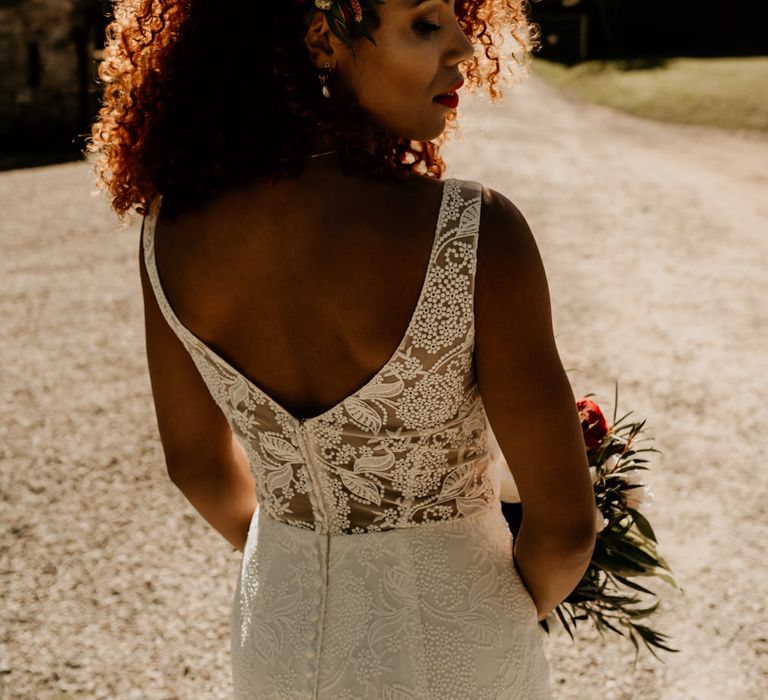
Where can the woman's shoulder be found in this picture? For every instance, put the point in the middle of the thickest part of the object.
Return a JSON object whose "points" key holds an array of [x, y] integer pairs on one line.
{"points": [[504, 233], [499, 213], [501, 217], [509, 264]]}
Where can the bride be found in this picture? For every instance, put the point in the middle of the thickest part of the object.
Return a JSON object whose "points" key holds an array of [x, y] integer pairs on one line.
{"points": [[332, 328]]}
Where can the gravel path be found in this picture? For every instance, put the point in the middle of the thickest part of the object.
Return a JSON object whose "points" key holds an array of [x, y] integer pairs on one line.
{"points": [[654, 241]]}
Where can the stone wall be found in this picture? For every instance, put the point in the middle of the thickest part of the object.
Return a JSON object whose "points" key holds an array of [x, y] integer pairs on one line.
{"points": [[48, 51]]}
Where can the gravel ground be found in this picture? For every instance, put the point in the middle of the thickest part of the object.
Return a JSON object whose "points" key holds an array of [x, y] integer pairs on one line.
{"points": [[653, 237]]}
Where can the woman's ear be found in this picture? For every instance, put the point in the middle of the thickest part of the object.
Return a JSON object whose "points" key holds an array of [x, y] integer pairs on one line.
{"points": [[320, 42]]}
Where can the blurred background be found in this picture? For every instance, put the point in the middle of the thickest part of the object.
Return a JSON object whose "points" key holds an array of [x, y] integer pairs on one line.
{"points": [[636, 150], [49, 52], [580, 30]]}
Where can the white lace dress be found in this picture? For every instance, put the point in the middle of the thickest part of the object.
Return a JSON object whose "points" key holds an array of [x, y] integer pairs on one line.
{"points": [[378, 564]]}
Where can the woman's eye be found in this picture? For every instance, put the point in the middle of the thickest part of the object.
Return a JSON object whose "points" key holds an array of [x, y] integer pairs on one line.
{"points": [[425, 27]]}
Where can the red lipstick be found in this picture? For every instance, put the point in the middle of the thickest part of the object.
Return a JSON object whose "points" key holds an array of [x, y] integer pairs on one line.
{"points": [[450, 98]]}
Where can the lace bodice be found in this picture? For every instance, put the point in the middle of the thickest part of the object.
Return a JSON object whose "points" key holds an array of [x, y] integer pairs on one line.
{"points": [[410, 446]]}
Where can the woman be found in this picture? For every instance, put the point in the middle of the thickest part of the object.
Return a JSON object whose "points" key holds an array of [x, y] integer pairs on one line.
{"points": [[331, 328]]}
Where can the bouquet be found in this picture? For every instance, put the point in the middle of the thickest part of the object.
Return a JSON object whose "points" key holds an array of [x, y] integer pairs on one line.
{"points": [[608, 594]]}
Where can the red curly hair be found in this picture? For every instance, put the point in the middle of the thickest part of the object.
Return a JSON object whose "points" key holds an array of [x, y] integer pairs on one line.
{"points": [[189, 108]]}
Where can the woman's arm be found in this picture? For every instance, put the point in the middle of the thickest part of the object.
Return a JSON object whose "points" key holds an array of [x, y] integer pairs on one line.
{"points": [[203, 458], [531, 407]]}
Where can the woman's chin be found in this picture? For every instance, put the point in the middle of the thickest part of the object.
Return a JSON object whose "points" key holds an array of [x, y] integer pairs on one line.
{"points": [[426, 134]]}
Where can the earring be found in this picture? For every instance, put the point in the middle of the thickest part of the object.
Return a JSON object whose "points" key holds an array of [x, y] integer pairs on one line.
{"points": [[324, 73]]}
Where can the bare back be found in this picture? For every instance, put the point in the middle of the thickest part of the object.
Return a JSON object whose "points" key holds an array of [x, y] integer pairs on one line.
{"points": [[306, 286]]}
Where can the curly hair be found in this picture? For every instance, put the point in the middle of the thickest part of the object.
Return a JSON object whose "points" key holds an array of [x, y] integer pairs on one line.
{"points": [[200, 96]]}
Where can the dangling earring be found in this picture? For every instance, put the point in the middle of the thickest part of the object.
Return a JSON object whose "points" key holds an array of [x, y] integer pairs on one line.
{"points": [[324, 73]]}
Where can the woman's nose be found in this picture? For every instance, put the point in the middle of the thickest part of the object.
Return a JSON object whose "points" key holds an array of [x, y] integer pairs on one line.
{"points": [[464, 49]]}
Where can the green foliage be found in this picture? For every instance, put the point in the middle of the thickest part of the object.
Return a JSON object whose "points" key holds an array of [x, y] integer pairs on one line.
{"points": [[724, 92], [607, 596]]}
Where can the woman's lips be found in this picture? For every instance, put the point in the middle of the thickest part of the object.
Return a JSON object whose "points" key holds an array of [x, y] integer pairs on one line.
{"points": [[450, 99]]}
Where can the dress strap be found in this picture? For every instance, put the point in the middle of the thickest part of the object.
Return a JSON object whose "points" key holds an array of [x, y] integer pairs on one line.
{"points": [[188, 339], [444, 320]]}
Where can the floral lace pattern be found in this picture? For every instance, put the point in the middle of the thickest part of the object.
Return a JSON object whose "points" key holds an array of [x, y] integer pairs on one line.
{"points": [[428, 613], [378, 564]]}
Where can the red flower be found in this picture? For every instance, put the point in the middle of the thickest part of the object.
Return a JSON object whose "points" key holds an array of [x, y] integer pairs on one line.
{"points": [[355, 14], [357, 9], [593, 423]]}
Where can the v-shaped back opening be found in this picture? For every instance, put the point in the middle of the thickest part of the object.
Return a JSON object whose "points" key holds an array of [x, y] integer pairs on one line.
{"points": [[148, 240]]}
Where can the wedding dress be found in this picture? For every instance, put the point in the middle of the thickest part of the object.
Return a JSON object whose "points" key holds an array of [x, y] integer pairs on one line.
{"points": [[378, 564]]}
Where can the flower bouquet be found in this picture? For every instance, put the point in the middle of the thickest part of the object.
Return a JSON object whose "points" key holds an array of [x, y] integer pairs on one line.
{"points": [[608, 594]]}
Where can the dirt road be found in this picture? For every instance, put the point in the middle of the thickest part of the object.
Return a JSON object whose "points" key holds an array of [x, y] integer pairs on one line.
{"points": [[654, 240]]}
